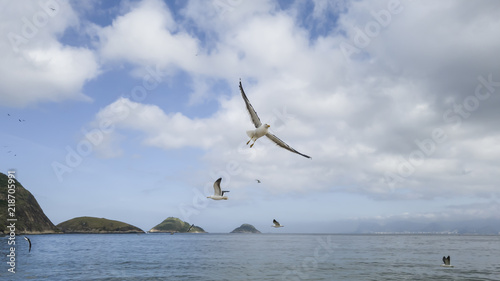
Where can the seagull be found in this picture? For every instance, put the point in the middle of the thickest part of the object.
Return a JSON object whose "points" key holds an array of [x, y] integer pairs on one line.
{"points": [[218, 193], [262, 129], [276, 224], [190, 227], [258, 181], [29, 241], [446, 261]]}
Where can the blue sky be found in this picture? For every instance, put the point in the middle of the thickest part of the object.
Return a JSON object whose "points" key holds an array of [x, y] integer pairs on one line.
{"points": [[132, 110]]}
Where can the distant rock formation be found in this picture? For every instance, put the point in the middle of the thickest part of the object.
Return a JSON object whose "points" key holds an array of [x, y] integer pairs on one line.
{"points": [[174, 225], [96, 225], [29, 216], [245, 228]]}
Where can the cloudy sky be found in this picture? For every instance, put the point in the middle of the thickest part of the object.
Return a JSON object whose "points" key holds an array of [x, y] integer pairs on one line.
{"points": [[130, 110]]}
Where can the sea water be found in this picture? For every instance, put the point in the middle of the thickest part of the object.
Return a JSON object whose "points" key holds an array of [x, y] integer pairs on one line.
{"points": [[252, 257]]}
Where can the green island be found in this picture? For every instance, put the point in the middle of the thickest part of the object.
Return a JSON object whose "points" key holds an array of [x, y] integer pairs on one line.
{"points": [[21, 208], [245, 228], [175, 225], [96, 225]]}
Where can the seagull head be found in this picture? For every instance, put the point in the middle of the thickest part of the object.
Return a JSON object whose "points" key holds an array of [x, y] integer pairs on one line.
{"points": [[267, 126]]}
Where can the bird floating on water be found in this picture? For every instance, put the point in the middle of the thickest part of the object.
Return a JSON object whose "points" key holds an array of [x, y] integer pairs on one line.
{"points": [[29, 241], [446, 262], [276, 224], [218, 193], [262, 129]]}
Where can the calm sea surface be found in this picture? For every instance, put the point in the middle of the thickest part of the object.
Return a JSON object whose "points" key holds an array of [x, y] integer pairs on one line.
{"points": [[252, 257]]}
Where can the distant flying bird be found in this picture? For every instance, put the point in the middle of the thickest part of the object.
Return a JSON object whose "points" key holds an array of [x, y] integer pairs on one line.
{"points": [[258, 181], [190, 227], [218, 193], [8, 114], [446, 262], [29, 241], [276, 224], [262, 129]]}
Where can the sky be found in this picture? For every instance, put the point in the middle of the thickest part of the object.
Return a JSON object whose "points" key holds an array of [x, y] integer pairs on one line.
{"points": [[130, 110]]}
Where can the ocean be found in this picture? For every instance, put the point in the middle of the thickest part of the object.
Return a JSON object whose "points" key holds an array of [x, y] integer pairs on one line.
{"points": [[252, 257]]}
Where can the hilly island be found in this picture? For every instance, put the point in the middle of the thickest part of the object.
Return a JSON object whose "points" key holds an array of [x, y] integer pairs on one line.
{"points": [[174, 225], [97, 225], [245, 228], [21, 207]]}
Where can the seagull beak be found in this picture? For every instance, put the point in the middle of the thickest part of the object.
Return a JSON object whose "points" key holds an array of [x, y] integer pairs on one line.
{"points": [[268, 126]]}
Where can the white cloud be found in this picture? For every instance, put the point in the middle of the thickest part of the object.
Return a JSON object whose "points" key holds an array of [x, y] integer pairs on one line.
{"points": [[167, 131], [35, 66], [148, 35], [358, 118]]}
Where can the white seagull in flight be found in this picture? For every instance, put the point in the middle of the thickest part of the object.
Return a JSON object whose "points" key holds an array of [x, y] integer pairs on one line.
{"points": [[276, 224], [218, 193], [262, 129]]}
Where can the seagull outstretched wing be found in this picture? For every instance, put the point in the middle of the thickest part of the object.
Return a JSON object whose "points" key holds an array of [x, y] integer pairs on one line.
{"points": [[251, 110], [217, 190], [281, 143], [446, 260], [29, 241]]}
